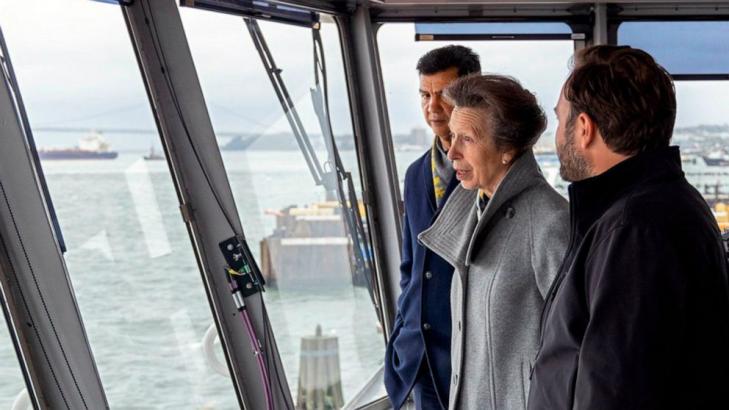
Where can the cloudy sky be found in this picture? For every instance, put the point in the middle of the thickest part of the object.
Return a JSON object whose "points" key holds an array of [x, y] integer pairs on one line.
{"points": [[76, 68]]}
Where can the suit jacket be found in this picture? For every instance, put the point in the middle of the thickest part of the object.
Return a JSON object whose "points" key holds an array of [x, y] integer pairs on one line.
{"points": [[422, 329]]}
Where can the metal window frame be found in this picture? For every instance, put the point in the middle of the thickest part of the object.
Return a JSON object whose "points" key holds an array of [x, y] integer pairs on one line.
{"points": [[615, 19], [388, 269], [376, 157], [205, 223], [36, 293], [200, 179]]}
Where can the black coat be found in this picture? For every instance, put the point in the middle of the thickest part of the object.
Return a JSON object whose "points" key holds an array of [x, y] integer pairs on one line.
{"points": [[638, 317]]}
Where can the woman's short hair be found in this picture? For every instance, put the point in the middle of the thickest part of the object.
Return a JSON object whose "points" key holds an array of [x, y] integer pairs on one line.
{"points": [[515, 119]]}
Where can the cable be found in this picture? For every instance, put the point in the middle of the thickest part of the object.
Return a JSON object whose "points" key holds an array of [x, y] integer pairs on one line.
{"points": [[255, 342], [267, 331]]}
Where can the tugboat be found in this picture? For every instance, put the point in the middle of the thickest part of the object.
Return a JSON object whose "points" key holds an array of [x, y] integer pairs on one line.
{"points": [[153, 155], [93, 146]]}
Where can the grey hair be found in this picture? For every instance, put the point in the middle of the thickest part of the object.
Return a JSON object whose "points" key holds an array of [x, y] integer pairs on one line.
{"points": [[515, 119]]}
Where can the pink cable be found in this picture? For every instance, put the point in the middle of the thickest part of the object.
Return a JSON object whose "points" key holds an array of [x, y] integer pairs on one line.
{"points": [[245, 318], [261, 365]]}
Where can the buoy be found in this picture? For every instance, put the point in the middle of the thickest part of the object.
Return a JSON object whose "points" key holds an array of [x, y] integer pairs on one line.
{"points": [[320, 380]]}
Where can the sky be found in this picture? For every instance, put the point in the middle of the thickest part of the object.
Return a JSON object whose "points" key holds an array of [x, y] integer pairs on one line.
{"points": [[76, 68]]}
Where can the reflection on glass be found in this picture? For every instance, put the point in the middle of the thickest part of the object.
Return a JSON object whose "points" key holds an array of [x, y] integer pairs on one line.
{"points": [[129, 255], [541, 66], [320, 307], [702, 132], [12, 384]]}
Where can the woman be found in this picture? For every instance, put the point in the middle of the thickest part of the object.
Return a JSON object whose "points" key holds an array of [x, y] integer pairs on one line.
{"points": [[505, 230]]}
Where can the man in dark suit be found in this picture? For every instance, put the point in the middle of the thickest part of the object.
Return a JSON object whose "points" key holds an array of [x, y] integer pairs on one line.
{"points": [[418, 353]]}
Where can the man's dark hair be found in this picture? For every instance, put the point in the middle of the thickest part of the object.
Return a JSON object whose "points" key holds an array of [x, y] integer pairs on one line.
{"points": [[515, 119], [630, 97], [443, 58]]}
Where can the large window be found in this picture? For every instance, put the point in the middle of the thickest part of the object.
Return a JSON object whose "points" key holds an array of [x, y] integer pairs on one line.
{"points": [[540, 65], [129, 256], [691, 49], [295, 225], [682, 47]]}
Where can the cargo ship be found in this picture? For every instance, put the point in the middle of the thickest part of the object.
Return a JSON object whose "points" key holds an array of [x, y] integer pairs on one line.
{"points": [[93, 146]]}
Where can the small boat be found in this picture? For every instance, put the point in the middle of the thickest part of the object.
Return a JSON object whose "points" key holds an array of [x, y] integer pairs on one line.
{"points": [[153, 155]]}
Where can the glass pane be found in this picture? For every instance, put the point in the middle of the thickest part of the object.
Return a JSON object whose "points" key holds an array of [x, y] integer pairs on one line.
{"points": [[129, 255], [295, 226], [702, 132], [541, 66], [687, 47], [12, 384]]}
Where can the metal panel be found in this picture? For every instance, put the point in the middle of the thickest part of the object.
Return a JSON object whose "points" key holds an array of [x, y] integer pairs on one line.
{"points": [[530, 10], [37, 296], [685, 9], [203, 190], [600, 27], [451, 12], [336, 7], [375, 152]]}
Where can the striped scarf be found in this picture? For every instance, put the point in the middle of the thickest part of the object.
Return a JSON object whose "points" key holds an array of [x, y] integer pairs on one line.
{"points": [[439, 184]]}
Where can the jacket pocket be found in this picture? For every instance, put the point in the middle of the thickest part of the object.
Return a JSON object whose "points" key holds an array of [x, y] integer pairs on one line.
{"points": [[526, 370]]}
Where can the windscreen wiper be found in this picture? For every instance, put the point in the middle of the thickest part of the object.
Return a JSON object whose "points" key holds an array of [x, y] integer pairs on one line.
{"points": [[332, 179]]}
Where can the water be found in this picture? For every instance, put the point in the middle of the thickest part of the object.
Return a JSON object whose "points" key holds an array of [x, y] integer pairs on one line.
{"points": [[141, 294]]}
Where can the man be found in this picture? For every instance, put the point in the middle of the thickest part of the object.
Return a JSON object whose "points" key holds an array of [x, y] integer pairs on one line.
{"points": [[418, 353], [638, 317]]}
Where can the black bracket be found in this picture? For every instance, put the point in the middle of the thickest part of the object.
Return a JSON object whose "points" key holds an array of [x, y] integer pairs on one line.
{"points": [[242, 271]]}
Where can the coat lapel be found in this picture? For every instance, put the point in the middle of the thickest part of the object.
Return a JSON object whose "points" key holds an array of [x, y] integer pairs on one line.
{"points": [[523, 174], [428, 181], [455, 233], [450, 235]]}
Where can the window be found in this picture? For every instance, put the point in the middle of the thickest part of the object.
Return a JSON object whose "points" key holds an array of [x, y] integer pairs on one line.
{"points": [[688, 49], [129, 255], [294, 225], [684, 48], [702, 132], [540, 65]]}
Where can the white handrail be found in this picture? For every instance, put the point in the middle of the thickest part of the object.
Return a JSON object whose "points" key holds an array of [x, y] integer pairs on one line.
{"points": [[208, 348], [22, 401]]}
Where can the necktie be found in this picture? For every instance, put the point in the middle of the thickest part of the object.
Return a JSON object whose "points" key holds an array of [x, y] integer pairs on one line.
{"points": [[439, 187]]}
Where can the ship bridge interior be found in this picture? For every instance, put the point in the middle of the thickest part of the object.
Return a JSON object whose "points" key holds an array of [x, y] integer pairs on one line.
{"points": [[227, 232]]}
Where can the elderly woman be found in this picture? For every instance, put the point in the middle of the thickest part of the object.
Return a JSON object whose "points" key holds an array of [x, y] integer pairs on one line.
{"points": [[505, 230]]}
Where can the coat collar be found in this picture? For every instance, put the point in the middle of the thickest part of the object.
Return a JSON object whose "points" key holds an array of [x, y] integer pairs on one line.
{"points": [[456, 230], [591, 197]]}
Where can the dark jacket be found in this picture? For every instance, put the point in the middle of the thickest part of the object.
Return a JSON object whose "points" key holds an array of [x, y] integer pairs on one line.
{"points": [[425, 283], [638, 317]]}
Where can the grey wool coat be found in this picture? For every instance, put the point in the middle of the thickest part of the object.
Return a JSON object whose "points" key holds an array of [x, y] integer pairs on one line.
{"points": [[504, 265]]}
